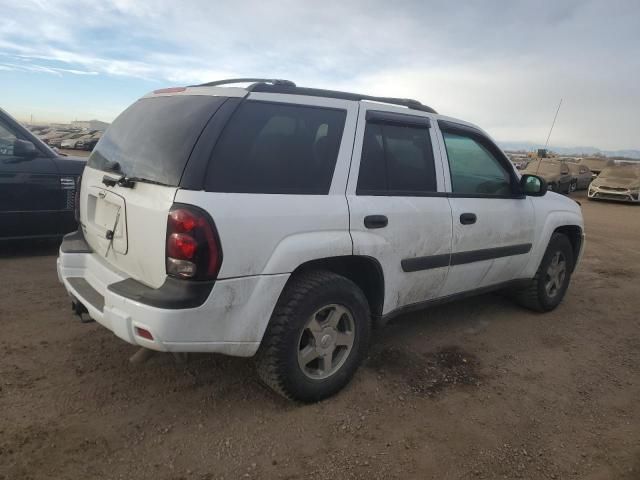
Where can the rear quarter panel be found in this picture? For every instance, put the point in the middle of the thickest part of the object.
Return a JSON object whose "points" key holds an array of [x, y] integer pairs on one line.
{"points": [[270, 234]]}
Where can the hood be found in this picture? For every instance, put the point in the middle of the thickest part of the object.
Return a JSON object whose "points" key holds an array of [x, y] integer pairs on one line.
{"points": [[617, 182]]}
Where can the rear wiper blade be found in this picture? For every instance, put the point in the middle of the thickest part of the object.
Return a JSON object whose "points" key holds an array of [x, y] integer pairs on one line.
{"points": [[129, 182]]}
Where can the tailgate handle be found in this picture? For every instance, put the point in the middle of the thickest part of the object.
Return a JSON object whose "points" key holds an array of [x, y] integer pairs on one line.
{"points": [[376, 221]]}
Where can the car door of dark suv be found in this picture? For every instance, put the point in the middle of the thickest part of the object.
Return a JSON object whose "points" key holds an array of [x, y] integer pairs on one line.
{"points": [[30, 191]]}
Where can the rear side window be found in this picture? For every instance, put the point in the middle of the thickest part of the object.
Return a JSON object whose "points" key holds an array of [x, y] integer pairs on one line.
{"points": [[153, 138], [396, 160], [277, 148]]}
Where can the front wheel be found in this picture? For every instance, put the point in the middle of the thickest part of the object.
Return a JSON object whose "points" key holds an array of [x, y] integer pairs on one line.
{"points": [[317, 337], [573, 186], [547, 289]]}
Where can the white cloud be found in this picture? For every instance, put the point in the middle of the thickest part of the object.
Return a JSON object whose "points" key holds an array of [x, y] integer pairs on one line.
{"points": [[501, 64]]}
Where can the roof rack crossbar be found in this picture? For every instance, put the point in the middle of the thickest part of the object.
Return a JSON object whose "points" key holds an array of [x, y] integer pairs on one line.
{"points": [[271, 81]]}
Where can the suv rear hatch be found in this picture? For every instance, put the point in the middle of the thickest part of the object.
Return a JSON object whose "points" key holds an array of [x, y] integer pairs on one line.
{"points": [[132, 177]]}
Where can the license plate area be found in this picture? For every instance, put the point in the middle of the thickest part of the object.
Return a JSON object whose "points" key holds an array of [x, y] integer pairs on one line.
{"points": [[107, 220]]}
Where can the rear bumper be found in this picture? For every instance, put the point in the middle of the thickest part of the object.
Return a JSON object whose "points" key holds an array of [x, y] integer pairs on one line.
{"points": [[230, 320]]}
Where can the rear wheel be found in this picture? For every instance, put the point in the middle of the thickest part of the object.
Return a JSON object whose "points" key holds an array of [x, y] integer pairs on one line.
{"points": [[573, 186], [547, 289], [317, 337]]}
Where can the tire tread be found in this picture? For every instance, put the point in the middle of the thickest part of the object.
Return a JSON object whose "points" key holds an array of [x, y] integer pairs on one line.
{"points": [[529, 296], [272, 348]]}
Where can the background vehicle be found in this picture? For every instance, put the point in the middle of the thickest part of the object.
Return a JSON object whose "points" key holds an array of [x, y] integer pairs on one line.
{"points": [[556, 174], [520, 163], [618, 182], [282, 222], [70, 141], [88, 142], [595, 164], [582, 176], [38, 190]]}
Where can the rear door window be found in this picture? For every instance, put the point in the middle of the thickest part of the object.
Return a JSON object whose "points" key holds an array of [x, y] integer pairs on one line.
{"points": [[277, 148], [396, 160], [153, 138]]}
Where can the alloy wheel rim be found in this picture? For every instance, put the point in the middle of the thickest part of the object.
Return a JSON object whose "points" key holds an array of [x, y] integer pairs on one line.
{"points": [[326, 341], [555, 275]]}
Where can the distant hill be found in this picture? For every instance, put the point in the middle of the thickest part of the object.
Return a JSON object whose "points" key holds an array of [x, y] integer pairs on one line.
{"points": [[529, 146]]}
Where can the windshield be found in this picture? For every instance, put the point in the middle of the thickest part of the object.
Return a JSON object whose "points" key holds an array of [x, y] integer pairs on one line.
{"points": [[626, 172], [545, 167], [153, 138]]}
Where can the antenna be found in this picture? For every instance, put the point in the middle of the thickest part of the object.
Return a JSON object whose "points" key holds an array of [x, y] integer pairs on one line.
{"points": [[549, 136], [552, 125]]}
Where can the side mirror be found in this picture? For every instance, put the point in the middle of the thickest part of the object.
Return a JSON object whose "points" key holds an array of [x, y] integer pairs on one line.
{"points": [[24, 149], [533, 185]]}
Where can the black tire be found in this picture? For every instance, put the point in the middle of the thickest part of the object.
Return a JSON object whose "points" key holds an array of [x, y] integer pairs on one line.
{"points": [[277, 359], [535, 296], [573, 186]]}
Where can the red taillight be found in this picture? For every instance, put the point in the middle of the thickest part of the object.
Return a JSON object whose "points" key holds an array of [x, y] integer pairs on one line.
{"points": [[182, 220], [193, 249], [181, 246]]}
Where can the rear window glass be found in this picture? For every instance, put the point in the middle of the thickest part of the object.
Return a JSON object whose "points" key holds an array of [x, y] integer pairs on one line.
{"points": [[153, 138], [277, 148]]}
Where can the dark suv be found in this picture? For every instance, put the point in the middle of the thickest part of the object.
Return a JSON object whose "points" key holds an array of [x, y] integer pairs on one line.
{"points": [[37, 196]]}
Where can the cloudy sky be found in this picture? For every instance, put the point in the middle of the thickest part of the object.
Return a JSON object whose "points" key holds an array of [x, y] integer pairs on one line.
{"points": [[501, 64]]}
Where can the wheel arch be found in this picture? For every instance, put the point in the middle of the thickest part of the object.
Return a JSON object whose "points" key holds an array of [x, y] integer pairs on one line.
{"points": [[364, 271], [574, 234], [559, 221]]}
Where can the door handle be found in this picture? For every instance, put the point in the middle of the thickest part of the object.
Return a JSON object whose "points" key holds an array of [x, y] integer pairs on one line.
{"points": [[468, 218], [376, 221]]}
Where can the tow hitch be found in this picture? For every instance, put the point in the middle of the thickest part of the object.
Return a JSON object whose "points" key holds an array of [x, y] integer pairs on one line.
{"points": [[81, 311]]}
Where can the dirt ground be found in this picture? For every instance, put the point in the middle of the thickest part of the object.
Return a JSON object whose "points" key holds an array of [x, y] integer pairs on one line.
{"points": [[476, 389]]}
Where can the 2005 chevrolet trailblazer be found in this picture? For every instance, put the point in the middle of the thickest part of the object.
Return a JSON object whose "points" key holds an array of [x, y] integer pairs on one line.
{"points": [[283, 222]]}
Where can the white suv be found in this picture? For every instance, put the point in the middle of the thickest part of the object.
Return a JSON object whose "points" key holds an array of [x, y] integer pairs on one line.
{"points": [[283, 222]]}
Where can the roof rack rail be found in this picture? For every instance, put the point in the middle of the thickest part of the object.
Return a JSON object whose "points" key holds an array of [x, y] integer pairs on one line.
{"points": [[270, 81], [317, 92], [275, 85], [407, 102]]}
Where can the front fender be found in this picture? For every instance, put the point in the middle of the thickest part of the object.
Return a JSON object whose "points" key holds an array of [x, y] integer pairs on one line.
{"points": [[549, 223]]}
